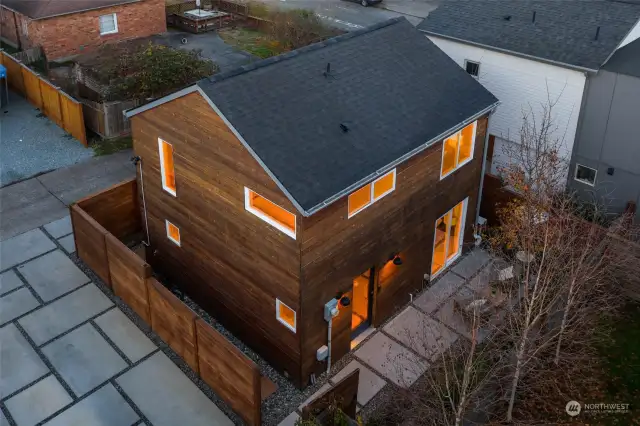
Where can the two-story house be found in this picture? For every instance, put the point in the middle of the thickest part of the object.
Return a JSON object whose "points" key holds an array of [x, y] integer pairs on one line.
{"points": [[533, 53], [343, 174]]}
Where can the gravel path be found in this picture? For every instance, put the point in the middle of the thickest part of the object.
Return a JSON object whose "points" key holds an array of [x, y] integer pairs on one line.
{"points": [[31, 144]]}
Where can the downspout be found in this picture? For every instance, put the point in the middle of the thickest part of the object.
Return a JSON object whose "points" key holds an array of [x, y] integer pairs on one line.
{"points": [[138, 161], [476, 236], [329, 347]]}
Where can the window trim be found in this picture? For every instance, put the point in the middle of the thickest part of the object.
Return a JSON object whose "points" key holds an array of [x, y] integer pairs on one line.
{"points": [[173, 240], [473, 148], [163, 167], [115, 23], [449, 262], [266, 218], [466, 61], [281, 320], [575, 175], [371, 194]]}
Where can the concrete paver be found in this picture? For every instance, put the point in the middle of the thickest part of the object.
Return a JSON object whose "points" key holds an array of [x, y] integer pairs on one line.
{"points": [[84, 359], [9, 281], [105, 407], [16, 304], [68, 243], [447, 315], [369, 383], [471, 263], [444, 287], [290, 420], [392, 360], [59, 228], [167, 397], [52, 275], [127, 337], [38, 402], [67, 312], [19, 363], [23, 247]]}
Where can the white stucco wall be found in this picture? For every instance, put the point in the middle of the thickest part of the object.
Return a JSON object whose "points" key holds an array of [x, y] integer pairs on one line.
{"points": [[519, 84]]}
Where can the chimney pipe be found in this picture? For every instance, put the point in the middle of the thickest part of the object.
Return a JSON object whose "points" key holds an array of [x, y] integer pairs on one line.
{"points": [[534, 17], [597, 33]]}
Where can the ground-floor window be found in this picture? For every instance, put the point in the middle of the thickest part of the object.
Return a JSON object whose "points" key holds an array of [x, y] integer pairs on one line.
{"points": [[449, 233], [286, 315]]}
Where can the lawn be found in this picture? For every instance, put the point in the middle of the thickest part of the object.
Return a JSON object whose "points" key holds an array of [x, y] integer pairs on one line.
{"points": [[111, 146], [251, 41]]}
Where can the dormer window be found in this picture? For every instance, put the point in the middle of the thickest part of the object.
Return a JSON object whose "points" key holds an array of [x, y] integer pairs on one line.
{"points": [[457, 150], [372, 192]]}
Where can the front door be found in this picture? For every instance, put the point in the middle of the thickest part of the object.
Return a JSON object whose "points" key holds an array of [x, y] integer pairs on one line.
{"points": [[361, 303], [449, 234]]}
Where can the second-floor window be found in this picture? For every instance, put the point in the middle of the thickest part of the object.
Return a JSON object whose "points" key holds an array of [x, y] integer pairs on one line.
{"points": [[108, 24], [269, 212], [372, 192], [167, 169], [457, 150]]}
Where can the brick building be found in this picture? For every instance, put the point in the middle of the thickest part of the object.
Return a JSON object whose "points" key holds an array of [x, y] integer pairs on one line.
{"points": [[66, 28]]}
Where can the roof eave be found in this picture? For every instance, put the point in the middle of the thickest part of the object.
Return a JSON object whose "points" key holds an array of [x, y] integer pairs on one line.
{"points": [[511, 52], [40, 18]]}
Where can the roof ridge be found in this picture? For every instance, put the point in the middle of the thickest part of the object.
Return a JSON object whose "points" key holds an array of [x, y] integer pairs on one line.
{"points": [[294, 53]]}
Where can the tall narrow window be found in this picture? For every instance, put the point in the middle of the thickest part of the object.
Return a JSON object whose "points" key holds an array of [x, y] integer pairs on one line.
{"points": [[173, 232], [447, 240], [457, 150], [270, 212], [371, 192], [166, 167], [286, 315], [108, 24]]}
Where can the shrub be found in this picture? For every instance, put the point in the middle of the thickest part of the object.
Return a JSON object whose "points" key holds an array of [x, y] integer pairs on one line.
{"points": [[298, 28]]}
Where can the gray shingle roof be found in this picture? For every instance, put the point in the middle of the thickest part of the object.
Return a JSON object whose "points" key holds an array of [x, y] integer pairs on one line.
{"points": [[41, 9], [389, 84], [564, 31], [626, 60]]}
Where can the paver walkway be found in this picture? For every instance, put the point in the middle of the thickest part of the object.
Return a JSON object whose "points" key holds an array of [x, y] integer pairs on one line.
{"points": [[70, 357]]}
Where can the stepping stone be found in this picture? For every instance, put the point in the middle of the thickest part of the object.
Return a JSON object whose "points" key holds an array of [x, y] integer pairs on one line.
{"points": [[20, 364], [24, 247], [167, 397], [102, 408], [38, 402], [84, 359], [290, 420], [68, 244], [444, 287], [53, 275], [59, 228], [369, 383], [125, 334], [9, 281], [471, 263], [54, 319], [16, 304], [392, 360]]}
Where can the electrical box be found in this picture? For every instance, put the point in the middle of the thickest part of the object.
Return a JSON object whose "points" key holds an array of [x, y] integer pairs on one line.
{"points": [[331, 310], [322, 353]]}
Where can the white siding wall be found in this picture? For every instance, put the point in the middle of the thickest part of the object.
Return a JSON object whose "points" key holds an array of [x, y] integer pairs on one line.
{"points": [[633, 35], [518, 83]]}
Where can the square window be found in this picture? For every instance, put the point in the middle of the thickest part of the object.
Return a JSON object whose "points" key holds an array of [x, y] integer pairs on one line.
{"points": [[371, 192], [108, 24], [586, 174], [384, 185], [286, 315], [173, 232], [359, 199], [473, 68]]}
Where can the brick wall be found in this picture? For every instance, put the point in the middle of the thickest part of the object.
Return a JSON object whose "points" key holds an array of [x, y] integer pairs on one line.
{"points": [[14, 28], [80, 32]]}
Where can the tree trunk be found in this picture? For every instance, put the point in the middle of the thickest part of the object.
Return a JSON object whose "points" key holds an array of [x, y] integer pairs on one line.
{"points": [[516, 374], [563, 325]]}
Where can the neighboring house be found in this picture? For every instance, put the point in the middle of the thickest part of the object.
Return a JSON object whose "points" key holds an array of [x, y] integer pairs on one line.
{"points": [[350, 167], [529, 52], [64, 28], [606, 158]]}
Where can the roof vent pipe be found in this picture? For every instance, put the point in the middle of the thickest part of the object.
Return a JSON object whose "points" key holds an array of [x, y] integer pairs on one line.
{"points": [[327, 72], [597, 33], [533, 19]]}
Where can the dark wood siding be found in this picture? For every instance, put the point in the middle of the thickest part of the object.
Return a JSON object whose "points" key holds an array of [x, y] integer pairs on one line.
{"points": [[230, 262], [336, 249]]}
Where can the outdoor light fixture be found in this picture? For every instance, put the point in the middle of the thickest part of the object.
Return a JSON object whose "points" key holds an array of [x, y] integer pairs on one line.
{"points": [[395, 258]]}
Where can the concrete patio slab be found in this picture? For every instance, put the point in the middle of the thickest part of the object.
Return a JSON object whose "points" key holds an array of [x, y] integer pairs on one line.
{"points": [[68, 243], [392, 360], [25, 206], [16, 304], [455, 320], [471, 263], [420, 333], [290, 420], [19, 363], [105, 407], [84, 359], [65, 313], [369, 383], [315, 395], [433, 296], [52, 275], [125, 334], [59, 228], [23, 247], [482, 279], [167, 397], [38, 402], [9, 281]]}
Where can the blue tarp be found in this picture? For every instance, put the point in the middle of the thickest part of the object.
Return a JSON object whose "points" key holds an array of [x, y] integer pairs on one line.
{"points": [[3, 71]]}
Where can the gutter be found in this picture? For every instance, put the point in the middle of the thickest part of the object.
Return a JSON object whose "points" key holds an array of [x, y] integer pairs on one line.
{"points": [[40, 18]]}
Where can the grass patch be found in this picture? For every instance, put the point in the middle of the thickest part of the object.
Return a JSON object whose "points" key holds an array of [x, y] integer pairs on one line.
{"points": [[111, 146], [251, 41]]}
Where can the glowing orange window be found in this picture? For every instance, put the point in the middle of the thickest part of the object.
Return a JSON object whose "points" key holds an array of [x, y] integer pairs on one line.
{"points": [[359, 199], [372, 192], [173, 232], [457, 149], [286, 315], [166, 167], [270, 212], [384, 185]]}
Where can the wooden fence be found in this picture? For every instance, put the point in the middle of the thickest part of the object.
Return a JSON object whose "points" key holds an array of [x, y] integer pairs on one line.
{"points": [[343, 395], [107, 118], [237, 8], [65, 111], [494, 196], [100, 223]]}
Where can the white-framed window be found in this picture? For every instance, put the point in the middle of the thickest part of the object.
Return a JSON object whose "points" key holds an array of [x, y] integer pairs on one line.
{"points": [[448, 237], [371, 192], [286, 315], [270, 212], [173, 232], [108, 24], [472, 68], [457, 149], [585, 175], [167, 168]]}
